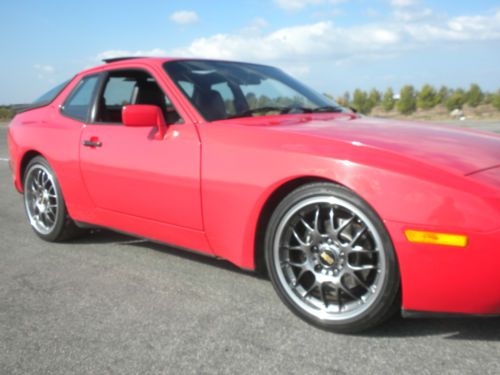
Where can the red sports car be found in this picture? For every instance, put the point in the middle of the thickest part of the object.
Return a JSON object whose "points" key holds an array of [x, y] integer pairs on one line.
{"points": [[353, 218]]}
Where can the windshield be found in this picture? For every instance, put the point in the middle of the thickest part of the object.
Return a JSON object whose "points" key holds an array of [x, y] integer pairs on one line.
{"points": [[223, 90]]}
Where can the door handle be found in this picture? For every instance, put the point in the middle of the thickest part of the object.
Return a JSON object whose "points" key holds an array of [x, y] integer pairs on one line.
{"points": [[93, 142]]}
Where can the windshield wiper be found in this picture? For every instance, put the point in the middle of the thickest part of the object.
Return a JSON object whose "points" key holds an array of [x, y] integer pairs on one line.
{"points": [[324, 109], [250, 112], [287, 110], [328, 108]]}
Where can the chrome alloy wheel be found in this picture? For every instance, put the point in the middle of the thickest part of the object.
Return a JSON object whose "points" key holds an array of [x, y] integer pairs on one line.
{"points": [[41, 199], [329, 258]]}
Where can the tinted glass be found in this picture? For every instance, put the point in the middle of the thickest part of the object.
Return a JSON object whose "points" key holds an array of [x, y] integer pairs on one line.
{"points": [[119, 91], [187, 87], [50, 95], [226, 95], [221, 90], [79, 102]]}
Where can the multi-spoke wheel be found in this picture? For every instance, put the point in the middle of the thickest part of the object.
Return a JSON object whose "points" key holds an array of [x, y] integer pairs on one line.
{"points": [[331, 260], [44, 203]]}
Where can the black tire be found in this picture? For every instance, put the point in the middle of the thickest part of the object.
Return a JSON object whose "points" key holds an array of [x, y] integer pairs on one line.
{"points": [[300, 245], [62, 227]]}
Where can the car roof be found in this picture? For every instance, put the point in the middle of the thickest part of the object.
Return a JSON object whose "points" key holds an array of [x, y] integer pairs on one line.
{"points": [[130, 60], [127, 61]]}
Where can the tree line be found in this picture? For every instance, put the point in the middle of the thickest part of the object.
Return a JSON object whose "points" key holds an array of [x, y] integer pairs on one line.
{"points": [[406, 103], [6, 112], [409, 99]]}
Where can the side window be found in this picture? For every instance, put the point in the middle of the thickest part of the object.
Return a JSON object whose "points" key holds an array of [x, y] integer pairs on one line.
{"points": [[132, 87], [119, 91], [78, 104], [49, 96], [227, 96]]}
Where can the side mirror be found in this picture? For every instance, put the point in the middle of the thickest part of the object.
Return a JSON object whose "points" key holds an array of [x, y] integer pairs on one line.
{"points": [[143, 115]]}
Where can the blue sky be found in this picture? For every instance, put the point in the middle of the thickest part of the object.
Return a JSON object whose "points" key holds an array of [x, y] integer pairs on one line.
{"points": [[332, 45]]}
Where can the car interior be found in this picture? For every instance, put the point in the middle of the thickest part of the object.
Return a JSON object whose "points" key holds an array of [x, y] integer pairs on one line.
{"points": [[214, 95], [132, 87], [210, 103]]}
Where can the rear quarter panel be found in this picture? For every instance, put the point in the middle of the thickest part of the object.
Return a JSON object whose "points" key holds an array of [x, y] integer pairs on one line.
{"points": [[57, 138]]}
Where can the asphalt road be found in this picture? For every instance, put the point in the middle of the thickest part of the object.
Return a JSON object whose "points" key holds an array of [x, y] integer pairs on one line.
{"points": [[110, 304]]}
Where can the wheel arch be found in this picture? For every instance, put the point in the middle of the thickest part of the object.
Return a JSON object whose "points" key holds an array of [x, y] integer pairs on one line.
{"points": [[272, 201], [25, 160]]}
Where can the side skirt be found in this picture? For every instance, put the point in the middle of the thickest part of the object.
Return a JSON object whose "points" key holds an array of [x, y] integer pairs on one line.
{"points": [[437, 315]]}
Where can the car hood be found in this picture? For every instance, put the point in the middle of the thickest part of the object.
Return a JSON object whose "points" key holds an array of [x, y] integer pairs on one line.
{"points": [[460, 150]]}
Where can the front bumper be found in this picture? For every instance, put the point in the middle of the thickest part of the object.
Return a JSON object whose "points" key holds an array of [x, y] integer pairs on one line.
{"points": [[443, 279]]}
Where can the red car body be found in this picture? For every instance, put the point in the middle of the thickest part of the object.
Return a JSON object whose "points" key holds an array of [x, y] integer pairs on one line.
{"points": [[210, 186]]}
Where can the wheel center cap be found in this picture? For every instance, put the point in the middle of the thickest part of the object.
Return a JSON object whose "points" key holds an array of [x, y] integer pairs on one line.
{"points": [[328, 257], [42, 201], [41, 205]]}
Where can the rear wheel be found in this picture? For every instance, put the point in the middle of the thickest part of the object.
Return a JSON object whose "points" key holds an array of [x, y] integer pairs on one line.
{"points": [[331, 260], [44, 203]]}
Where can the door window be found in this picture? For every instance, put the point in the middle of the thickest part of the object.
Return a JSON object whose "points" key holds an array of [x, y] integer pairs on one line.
{"points": [[119, 91], [126, 87]]}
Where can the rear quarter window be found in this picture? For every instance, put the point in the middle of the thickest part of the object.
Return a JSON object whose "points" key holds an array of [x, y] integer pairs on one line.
{"points": [[79, 102], [45, 99], [50, 95]]}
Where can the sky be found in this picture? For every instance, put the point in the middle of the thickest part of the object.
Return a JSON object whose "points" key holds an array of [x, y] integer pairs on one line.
{"points": [[332, 45]]}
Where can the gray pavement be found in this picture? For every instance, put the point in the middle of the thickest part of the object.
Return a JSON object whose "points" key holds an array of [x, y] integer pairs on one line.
{"points": [[110, 304]]}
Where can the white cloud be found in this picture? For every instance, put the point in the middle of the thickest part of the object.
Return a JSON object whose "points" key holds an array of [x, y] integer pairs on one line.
{"points": [[184, 17], [295, 47], [110, 54], [294, 5], [327, 40], [403, 3], [463, 28], [321, 39]]}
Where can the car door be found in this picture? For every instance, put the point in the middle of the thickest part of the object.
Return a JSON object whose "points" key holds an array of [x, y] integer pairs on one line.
{"points": [[126, 170]]}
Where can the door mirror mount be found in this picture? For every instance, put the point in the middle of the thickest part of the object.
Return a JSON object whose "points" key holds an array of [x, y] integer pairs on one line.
{"points": [[145, 115]]}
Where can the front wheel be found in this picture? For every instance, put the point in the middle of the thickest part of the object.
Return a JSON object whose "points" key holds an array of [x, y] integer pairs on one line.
{"points": [[44, 203], [331, 260]]}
